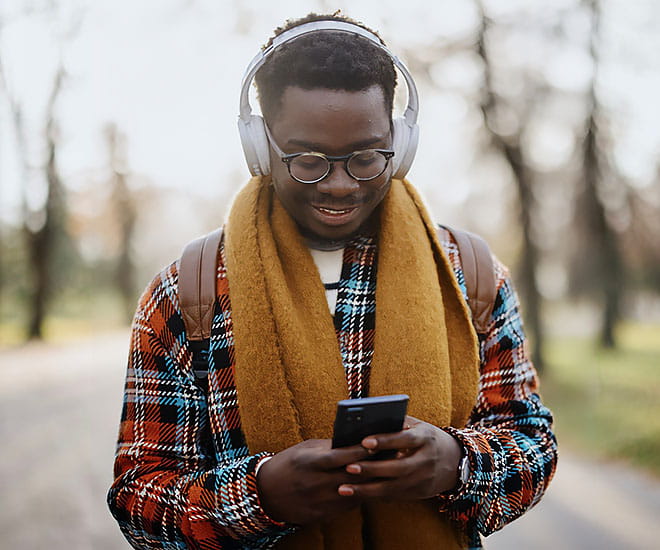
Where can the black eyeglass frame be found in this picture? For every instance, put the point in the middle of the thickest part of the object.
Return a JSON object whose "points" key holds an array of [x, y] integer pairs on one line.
{"points": [[330, 159], [387, 153]]}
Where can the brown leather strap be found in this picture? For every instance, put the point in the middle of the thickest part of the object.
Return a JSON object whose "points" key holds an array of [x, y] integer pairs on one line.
{"points": [[479, 273], [198, 265], [197, 284]]}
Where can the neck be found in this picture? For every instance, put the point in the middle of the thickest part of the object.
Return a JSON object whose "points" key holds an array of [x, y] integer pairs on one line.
{"points": [[327, 246], [318, 243]]}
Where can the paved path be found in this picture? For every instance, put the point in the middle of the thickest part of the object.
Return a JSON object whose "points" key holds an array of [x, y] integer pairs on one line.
{"points": [[59, 412], [589, 506]]}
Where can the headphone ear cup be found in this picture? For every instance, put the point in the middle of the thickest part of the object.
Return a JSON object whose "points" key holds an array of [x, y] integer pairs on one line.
{"points": [[255, 145], [404, 143]]}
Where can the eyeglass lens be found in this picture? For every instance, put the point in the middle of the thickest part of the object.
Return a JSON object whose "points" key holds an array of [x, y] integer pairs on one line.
{"points": [[362, 165]]}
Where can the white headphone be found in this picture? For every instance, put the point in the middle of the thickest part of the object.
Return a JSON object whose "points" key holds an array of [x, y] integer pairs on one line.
{"points": [[251, 127]]}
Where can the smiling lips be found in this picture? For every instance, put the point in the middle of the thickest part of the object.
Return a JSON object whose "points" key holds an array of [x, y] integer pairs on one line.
{"points": [[334, 216], [335, 211]]}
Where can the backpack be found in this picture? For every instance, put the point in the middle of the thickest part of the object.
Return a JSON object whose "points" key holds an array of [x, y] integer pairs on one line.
{"points": [[197, 288]]}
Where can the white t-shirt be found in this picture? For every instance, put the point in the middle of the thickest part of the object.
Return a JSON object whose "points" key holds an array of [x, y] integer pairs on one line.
{"points": [[329, 264]]}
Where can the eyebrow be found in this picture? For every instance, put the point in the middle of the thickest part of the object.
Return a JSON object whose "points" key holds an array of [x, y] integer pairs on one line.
{"points": [[355, 146]]}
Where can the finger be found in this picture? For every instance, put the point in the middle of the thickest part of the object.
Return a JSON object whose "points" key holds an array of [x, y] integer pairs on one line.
{"points": [[376, 489], [411, 438], [399, 467], [411, 422], [326, 482], [403, 453], [338, 458]]}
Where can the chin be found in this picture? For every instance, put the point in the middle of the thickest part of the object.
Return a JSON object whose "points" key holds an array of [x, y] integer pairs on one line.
{"points": [[340, 233], [333, 236]]}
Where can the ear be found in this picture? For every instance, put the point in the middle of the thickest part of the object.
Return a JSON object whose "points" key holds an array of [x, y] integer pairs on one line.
{"points": [[404, 143], [255, 145]]}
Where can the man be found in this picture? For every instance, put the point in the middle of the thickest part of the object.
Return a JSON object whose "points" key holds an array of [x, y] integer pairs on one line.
{"points": [[331, 283]]}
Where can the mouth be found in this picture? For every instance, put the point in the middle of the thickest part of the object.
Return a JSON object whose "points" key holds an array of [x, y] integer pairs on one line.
{"points": [[333, 215], [335, 211]]}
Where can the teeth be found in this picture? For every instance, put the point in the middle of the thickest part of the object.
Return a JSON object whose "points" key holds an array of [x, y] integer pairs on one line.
{"points": [[330, 211]]}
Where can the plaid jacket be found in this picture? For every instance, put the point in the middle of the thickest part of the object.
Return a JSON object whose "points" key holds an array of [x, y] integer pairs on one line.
{"points": [[184, 477]]}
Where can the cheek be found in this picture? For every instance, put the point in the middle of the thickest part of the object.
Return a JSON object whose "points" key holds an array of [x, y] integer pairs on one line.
{"points": [[278, 171], [290, 195], [379, 192], [283, 193], [281, 182]]}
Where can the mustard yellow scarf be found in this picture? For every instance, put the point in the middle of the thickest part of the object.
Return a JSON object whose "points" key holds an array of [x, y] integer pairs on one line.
{"points": [[289, 373]]}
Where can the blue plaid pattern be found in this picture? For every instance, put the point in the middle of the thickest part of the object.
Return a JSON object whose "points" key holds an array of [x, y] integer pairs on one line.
{"points": [[355, 314], [184, 475]]}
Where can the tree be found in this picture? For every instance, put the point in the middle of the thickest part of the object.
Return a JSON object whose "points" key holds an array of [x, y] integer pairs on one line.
{"points": [[597, 264], [510, 147], [43, 239], [44, 225], [125, 212]]}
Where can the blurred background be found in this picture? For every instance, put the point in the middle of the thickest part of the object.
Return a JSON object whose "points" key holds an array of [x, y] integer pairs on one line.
{"points": [[540, 130]]}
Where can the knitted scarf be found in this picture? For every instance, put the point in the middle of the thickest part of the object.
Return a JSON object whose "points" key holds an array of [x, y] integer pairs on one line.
{"points": [[289, 373]]}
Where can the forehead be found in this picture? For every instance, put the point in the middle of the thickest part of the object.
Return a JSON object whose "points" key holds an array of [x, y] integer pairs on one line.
{"points": [[325, 116]]}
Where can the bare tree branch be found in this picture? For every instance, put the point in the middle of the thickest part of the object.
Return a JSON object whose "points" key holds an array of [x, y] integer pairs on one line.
{"points": [[510, 148], [42, 238], [598, 262], [125, 212], [41, 241], [16, 111]]}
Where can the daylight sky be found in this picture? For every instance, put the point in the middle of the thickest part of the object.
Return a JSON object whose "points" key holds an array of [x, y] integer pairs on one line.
{"points": [[168, 72]]}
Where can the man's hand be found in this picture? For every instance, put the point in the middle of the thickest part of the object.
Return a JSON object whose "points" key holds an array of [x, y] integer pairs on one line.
{"points": [[300, 484], [426, 464]]}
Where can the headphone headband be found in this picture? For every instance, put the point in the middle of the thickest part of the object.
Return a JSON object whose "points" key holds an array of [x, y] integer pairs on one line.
{"points": [[410, 114], [252, 127]]}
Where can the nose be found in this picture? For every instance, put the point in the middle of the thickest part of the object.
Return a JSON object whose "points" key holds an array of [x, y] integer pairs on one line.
{"points": [[338, 183]]}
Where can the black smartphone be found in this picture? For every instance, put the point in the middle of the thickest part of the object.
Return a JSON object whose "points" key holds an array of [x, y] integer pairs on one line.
{"points": [[358, 418]]}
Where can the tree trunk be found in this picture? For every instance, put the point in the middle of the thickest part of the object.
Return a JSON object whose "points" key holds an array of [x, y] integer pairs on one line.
{"points": [[125, 211], [510, 148], [604, 270], [125, 266], [43, 240], [530, 253]]}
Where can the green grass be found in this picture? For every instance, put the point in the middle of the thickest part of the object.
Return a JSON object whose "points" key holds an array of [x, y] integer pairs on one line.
{"points": [[607, 402], [71, 317]]}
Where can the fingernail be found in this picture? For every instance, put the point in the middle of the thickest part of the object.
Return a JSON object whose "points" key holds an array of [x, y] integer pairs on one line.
{"points": [[353, 468], [345, 490], [370, 443]]}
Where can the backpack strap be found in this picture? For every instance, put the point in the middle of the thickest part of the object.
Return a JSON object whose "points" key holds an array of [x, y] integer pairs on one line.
{"points": [[479, 274], [197, 288], [198, 265], [197, 284]]}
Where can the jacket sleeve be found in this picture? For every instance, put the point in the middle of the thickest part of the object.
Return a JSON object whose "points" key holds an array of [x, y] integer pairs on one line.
{"points": [[509, 441], [170, 488]]}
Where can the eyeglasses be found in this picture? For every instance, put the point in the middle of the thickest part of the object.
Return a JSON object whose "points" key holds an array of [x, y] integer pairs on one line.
{"points": [[313, 167]]}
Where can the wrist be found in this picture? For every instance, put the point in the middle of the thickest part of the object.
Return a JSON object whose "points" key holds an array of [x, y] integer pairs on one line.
{"points": [[463, 471], [265, 502], [458, 467], [261, 462]]}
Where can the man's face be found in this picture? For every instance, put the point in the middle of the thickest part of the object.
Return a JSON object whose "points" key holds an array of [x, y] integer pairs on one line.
{"points": [[333, 122]]}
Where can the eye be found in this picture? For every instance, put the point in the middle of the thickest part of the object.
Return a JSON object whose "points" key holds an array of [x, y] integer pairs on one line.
{"points": [[310, 162], [365, 158], [309, 167]]}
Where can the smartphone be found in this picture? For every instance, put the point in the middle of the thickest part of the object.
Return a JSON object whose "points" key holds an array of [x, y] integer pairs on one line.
{"points": [[358, 418]]}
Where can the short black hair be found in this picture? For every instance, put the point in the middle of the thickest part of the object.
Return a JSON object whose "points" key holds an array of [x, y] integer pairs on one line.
{"points": [[331, 60]]}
